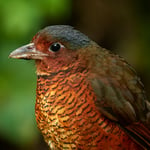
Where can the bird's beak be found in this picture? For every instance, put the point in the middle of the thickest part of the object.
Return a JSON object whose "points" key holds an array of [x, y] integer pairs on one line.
{"points": [[27, 52]]}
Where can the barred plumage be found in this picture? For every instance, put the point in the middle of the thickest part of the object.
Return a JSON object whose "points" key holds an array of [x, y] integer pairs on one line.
{"points": [[67, 116]]}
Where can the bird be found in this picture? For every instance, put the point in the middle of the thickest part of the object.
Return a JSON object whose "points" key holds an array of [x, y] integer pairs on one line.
{"points": [[87, 98]]}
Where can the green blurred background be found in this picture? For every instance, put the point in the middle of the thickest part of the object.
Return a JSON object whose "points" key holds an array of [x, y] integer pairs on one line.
{"points": [[121, 26]]}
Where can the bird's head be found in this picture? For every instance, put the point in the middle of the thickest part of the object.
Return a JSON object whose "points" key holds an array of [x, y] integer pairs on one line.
{"points": [[56, 48]]}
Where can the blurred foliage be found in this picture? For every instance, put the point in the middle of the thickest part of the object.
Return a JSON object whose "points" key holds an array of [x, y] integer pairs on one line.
{"points": [[20, 20], [122, 26]]}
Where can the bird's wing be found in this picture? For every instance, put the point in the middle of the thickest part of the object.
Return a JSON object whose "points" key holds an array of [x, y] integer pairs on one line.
{"points": [[121, 98]]}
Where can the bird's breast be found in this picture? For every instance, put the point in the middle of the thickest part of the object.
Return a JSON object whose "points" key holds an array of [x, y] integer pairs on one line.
{"points": [[68, 118]]}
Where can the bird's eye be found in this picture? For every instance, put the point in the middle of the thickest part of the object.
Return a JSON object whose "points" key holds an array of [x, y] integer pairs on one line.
{"points": [[55, 47]]}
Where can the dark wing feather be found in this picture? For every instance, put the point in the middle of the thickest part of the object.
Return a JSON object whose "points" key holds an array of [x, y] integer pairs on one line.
{"points": [[121, 97]]}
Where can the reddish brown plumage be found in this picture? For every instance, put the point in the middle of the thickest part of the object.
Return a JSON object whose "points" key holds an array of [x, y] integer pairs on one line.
{"points": [[67, 116], [87, 98]]}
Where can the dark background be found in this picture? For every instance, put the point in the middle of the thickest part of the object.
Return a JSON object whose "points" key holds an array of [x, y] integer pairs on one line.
{"points": [[123, 26]]}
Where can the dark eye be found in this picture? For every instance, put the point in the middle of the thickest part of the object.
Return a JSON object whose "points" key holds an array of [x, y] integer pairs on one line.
{"points": [[55, 47]]}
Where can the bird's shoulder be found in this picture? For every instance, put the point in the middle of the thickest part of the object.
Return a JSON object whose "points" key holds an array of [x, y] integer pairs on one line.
{"points": [[120, 93]]}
